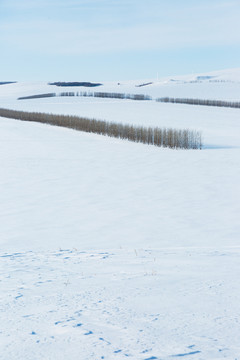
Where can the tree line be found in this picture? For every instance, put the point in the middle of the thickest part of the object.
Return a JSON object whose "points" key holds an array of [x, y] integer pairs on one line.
{"points": [[75, 83], [163, 137], [39, 96], [110, 95], [205, 102], [90, 94]]}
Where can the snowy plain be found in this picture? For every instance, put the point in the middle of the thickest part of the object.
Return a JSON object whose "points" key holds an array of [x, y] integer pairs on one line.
{"points": [[112, 249]]}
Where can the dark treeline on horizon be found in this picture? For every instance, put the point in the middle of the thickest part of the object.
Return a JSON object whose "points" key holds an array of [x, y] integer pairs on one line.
{"points": [[7, 82], [75, 83]]}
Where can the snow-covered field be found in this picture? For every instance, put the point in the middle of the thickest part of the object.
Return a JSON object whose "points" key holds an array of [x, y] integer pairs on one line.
{"points": [[112, 249]]}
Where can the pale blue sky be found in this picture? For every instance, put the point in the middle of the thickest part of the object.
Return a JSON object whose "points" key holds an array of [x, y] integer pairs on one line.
{"points": [[99, 40]]}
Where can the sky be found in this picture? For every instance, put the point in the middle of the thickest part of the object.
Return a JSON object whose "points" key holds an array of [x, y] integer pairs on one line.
{"points": [[97, 40]]}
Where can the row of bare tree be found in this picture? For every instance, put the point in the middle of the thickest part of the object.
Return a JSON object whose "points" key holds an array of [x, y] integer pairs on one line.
{"points": [[107, 95], [39, 96], [220, 103], [90, 94], [166, 137]]}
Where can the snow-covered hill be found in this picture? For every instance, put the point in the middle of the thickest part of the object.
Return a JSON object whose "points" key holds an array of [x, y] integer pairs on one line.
{"points": [[112, 249], [223, 84]]}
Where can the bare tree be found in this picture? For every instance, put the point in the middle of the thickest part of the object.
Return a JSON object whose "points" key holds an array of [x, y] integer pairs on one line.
{"points": [[172, 138]]}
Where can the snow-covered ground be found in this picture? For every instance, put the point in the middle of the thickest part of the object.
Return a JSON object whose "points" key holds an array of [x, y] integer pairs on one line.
{"points": [[164, 303], [223, 85], [112, 249]]}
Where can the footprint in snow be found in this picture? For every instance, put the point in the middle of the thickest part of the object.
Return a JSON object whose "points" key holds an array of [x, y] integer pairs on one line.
{"points": [[186, 354], [18, 297], [78, 325], [102, 339], [146, 351]]}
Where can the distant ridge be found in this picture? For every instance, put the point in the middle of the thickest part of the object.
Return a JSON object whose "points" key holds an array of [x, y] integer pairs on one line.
{"points": [[7, 82]]}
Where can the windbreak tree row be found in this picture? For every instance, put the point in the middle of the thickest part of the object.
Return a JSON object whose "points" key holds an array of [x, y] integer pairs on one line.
{"points": [[165, 137], [90, 94], [108, 95], [39, 96], [205, 102]]}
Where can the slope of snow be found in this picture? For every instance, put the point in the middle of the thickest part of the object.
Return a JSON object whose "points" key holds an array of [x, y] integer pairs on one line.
{"points": [[76, 188], [112, 249]]}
